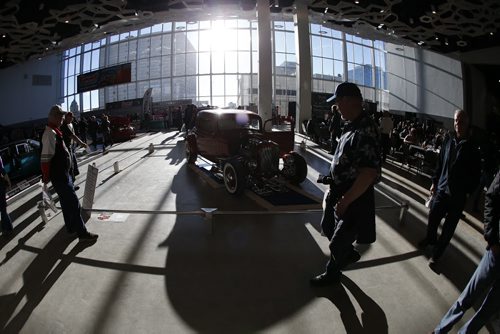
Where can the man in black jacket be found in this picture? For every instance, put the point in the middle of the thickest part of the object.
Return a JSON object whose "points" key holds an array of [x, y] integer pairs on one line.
{"points": [[456, 176], [487, 274]]}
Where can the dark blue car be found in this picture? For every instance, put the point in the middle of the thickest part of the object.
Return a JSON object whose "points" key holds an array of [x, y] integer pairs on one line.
{"points": [[21, 159]]}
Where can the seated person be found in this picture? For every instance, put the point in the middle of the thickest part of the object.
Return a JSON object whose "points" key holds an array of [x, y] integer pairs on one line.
{"points": [[412, 138]]}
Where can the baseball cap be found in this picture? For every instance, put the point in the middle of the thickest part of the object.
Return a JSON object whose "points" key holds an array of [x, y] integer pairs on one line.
{"points": [[345, 89], [56, 110]]}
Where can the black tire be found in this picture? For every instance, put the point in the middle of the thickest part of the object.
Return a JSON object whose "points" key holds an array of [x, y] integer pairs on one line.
{"points": [[234, 177], [191, 155], [295, 169]]}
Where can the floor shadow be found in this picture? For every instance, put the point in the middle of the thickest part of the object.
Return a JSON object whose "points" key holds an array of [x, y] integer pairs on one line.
{"points": [[373, 319], [38, 278], [250, 274]]}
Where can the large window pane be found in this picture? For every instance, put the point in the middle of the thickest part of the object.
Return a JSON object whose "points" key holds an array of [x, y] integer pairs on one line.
{"points": [[166, 46], [191, 67], [95, 60], [192, 41], [217, 62], [142, 69], [317, 66], [358, 54], [217, 85], [367, 55], [231, 84], [155, 68], [166, 94], [204, 63], [339, 70], [244, 40], [338, 52], [132, 50], [180, 42], [290, 42], [178, 88], [180, 64], [327, 46], [123, 52], [166, 66], [204, 85], [316, 45], [86, 61], [231, 64], [279, 41], [328, 68], [156, 46], [244, 62], [144, 47]]}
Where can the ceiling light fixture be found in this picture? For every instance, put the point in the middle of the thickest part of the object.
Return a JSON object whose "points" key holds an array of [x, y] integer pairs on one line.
{"points": [[381, 11], [3, 36], [420, 43], [326, 10], [356, 2], [433, 10], [492, 33], [67, 21], [446, 41], [436, 38]]}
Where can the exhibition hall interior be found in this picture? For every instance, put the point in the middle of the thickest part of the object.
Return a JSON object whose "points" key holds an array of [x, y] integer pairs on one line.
{"points": [[205, 138]]}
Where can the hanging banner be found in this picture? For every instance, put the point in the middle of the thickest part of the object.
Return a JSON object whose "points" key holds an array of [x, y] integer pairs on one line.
{"points": [[109, 76]]}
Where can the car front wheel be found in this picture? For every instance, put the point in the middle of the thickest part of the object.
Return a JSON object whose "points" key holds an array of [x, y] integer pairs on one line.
{"points": [[295, 167], [234, 177]]}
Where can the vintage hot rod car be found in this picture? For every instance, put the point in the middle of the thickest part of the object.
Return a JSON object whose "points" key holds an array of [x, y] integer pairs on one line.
{"points": [[242, 150]]}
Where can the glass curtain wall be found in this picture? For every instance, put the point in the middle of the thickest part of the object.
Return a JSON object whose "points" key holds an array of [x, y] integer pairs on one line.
{"points": [[214, 62]]}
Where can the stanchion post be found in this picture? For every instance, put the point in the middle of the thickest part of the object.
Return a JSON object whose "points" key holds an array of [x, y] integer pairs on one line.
{"points": [[209, 213], [402, 213]]}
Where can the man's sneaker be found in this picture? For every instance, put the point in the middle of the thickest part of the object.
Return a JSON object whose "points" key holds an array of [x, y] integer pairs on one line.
{"points": [[354, 257], [88, 237], [325, 279]]}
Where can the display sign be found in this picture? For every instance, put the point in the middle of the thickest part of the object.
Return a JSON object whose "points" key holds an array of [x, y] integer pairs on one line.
{"points": [[109, 76], [88, 195], [319, 106]]}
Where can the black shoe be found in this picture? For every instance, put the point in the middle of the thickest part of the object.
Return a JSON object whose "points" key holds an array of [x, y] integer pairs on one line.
{"points": [[325, 280], [76, 187], [86, 237], [354, 257]]}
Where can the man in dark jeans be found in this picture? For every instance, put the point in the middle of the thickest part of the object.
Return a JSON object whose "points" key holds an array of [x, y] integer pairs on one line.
{"points": [[457, 175], [349, 208], [56, 165], [485, 278]]}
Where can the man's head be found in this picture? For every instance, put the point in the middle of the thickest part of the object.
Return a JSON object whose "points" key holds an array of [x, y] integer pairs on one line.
{"points": [[68, 118], [348, 99], [56, 115], [461, 122]]}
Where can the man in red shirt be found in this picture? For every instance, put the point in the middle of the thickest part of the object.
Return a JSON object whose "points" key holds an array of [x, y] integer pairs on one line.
{"points": [[56, 165]]}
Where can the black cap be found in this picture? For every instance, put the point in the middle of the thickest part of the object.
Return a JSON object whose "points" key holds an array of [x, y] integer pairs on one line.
{"points": [[345, 89]]}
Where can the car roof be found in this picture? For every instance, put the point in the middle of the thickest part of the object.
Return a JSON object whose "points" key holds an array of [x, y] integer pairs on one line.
{"points": [[22, 141], [228, 112]]}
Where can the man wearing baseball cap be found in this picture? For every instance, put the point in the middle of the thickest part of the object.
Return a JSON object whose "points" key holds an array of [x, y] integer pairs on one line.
{"points": [[349, 205], [56, 164]]}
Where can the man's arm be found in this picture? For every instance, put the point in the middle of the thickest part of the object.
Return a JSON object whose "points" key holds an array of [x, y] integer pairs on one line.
{"points": [[48, 151], [492, 215], [365, 178]]}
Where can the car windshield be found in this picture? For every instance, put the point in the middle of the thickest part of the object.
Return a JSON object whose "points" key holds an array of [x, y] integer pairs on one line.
{"points": [[239, 121]]}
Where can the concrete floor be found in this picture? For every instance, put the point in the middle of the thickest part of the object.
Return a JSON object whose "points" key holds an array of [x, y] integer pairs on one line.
{"points": [[165, 273]]}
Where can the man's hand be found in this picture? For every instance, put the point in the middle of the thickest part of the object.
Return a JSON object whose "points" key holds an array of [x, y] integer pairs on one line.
{"points": [[495, 249], [432, 189], [342, 205]]}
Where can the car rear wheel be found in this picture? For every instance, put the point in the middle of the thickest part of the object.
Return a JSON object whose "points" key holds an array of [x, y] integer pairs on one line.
{"points": [[295, 168], [191, 154], [234, 177]]}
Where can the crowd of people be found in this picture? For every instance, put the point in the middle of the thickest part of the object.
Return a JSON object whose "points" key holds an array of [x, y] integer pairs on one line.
{"points": [[360, 144]]}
